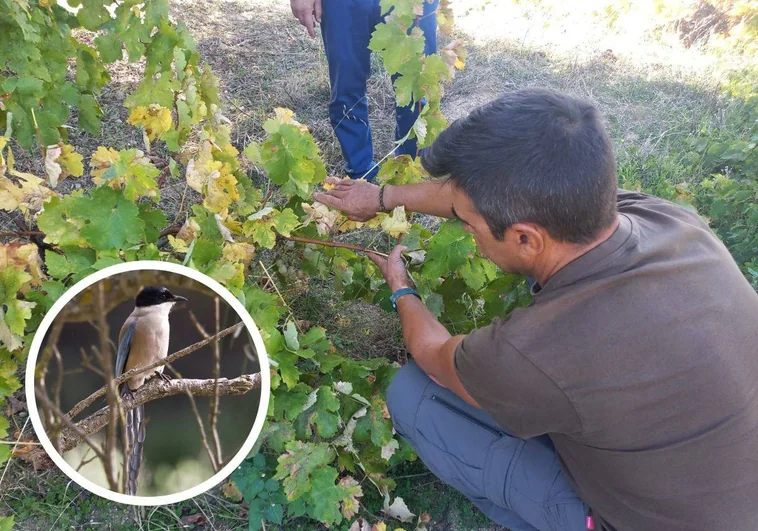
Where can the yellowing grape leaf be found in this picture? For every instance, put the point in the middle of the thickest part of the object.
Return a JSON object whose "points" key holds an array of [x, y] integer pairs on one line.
{"points": [[62, 160], [263, 225], [22, 256], [445, 17], [320, 214], [28, 195], [177, 244], [214, 179], [231, 491], [238, 252], [128, 169], [345, 224], [287, 116], [101, 160], [402, 170], [351, 492], [155, 119], [454, 56], [396, 224]]}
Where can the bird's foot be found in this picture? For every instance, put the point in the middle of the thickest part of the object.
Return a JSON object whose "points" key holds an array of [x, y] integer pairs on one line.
{"points": [[126, 392], [165, 377]]}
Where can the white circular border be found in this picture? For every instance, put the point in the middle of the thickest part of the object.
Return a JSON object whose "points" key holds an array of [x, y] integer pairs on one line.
{"points": [[252, 329]]}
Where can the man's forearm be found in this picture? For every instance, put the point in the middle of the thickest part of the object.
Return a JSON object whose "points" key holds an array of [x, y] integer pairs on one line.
{"points": [[432, 346], [423, 334], [431, 197]]}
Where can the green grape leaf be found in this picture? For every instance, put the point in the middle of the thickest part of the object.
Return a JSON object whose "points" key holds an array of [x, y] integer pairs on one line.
{"points": [[109, 46], [325, 496], [265, 308], [278, 434], [297, 466], [323, 413], [379, 424], [395, 46], [448, 250], [477, 272], [89, 114], [73, 260], [58, 223], [288, 367], [291, 402], [9, 383], [93, 14], [154, 220], [110, 221], [13, 312]]}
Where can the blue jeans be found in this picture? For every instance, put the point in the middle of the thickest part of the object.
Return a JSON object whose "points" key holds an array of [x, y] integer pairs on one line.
{"points": [[346, 26], [518, 483]]}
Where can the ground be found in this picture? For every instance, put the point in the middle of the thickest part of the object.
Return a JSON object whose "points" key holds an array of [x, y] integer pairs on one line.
{"points": [[653, 90]]}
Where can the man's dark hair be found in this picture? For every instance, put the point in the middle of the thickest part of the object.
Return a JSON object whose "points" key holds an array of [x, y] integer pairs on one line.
{"points": [[536, 156]]}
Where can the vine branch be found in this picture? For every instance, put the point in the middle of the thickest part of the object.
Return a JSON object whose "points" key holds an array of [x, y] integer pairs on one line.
{"points": [[333, 244]]}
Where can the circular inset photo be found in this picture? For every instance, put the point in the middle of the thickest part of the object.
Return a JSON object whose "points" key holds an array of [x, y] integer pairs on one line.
{"points": [[147, 383]]}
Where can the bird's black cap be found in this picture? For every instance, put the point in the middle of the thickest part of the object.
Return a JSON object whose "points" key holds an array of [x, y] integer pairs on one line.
{"points": [[153, 295]]}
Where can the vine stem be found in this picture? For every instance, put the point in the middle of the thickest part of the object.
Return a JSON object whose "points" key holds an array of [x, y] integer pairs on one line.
{"points": [[334, 244]]}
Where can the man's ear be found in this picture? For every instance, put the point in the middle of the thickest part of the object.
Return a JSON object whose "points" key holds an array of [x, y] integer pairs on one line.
{"points": [[530, 238]]}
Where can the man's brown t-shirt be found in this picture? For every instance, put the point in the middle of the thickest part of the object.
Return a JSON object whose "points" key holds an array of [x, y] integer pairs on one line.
{"points": [[640, 360]]}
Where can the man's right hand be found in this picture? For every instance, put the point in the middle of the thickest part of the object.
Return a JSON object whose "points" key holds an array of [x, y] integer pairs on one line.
{"points": [[306, 11], [358, 199]]}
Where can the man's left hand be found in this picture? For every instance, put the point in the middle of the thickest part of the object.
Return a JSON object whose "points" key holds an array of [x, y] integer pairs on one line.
{"points": [[393, 268]]}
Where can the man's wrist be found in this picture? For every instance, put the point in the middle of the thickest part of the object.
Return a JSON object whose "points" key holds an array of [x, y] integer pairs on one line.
{"points": [[389, 198], [400, 284]]}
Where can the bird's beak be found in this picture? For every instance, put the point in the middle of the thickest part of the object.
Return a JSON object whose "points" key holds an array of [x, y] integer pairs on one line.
{"points": [[179, 302]]}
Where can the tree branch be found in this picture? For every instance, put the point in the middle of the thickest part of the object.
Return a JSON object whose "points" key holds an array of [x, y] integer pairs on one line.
{"points": [[156, 389], [78, 408]]}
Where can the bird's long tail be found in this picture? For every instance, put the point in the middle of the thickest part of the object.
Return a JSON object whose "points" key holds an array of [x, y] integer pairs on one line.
{"points": [[135, 435]]}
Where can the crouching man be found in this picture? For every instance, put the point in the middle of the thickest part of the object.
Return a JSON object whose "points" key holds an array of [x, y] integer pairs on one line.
{"points": [[625, 397]]}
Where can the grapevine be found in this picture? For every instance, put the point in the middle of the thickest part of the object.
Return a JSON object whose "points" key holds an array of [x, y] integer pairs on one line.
{"points": [[328, 437]]}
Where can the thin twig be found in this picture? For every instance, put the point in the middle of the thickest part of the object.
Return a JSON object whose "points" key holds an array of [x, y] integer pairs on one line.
{"points": [[276, 288], [204, 438], [106, 363], [18, 442], [78, 408], [213, 414], [76, 431]]}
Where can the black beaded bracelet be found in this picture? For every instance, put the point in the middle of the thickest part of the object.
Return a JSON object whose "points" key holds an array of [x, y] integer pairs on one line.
{"points": [[381, 199]]}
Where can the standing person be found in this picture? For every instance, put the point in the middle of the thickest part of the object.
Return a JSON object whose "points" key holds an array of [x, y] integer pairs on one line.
{"points": [[346, 27], [625, 396]]}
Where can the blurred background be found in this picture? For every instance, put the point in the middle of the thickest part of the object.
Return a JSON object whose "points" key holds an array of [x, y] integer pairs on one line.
{"points": [[174, 457]]}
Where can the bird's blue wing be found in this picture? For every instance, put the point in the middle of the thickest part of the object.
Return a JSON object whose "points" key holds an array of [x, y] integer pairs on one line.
{"points": [[124, 347]]}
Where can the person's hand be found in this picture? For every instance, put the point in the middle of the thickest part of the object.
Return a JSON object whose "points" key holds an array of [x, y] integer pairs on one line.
{"points": [[306, 11], [358, 199], [393, 268]]}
